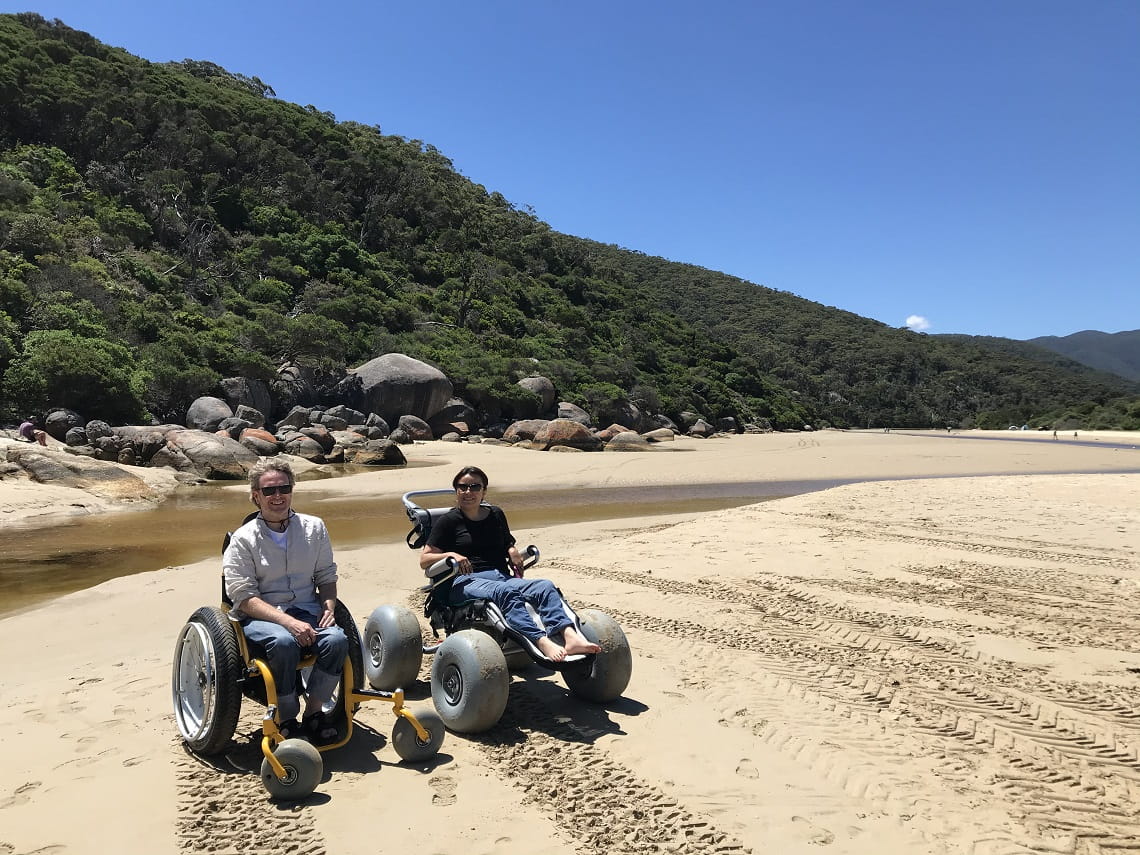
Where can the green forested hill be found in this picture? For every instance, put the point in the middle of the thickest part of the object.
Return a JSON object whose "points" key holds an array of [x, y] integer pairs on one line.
{"points": [[166, 225]]}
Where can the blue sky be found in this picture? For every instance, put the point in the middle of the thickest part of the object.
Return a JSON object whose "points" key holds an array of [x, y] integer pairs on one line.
{"points": [[972, 166]]}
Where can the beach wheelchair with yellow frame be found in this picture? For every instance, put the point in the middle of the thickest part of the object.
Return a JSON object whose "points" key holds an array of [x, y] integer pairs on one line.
{"points": [[470, 677], [215, 666]]}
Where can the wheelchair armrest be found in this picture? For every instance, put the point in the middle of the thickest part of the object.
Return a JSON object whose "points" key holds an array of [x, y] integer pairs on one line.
{"points": [[442, 569]]}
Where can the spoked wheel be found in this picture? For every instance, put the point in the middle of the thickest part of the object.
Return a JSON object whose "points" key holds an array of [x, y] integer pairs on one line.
{"points": [[204, 681], [609, 674], [303, 770], [408, 743], [394, 648], [469, 681]]}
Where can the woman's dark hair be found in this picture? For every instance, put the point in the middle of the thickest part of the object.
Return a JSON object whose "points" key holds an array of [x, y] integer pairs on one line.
{"points": [[470, 470]]}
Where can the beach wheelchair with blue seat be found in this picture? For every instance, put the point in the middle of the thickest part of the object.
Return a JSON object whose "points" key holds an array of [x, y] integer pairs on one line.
{"points": [[470, 677], [215, 665]]}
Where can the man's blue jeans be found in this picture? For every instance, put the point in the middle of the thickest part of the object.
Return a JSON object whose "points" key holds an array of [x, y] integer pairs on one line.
{"points": [[511, 595], [282, 655]]}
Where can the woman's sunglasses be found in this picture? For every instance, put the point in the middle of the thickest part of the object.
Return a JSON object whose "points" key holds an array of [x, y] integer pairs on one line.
{"points": [[284, 490], [468, 488]]}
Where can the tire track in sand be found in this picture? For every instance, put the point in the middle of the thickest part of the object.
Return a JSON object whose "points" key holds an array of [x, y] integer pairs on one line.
{"points": [[1066, 781], [223, 809]]}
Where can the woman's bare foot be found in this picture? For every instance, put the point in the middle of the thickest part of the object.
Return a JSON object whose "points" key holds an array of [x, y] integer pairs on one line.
{"points": [[575, 643], [550, 650]]}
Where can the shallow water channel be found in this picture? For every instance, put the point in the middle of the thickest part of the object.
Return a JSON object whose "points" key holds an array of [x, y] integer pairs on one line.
{"points": [[43, 562]]}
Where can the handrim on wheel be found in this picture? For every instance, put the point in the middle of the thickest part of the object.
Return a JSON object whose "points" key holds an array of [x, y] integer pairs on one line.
{"points": [[205, 681]]}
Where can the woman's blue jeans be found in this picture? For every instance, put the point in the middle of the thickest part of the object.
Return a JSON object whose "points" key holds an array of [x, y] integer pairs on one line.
{"points": [[511, 595]]}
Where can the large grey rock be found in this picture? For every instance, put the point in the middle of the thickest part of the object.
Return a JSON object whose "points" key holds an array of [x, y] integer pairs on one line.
{"points": [[95, 429], [254, 416], [566, 410], [245, 392], [628, 441], [523, 430], [727, 424], [544, 388], [306, 447], [416, 428], [233, 426], [59, 422], [394, 385], [206, 413], [146, 440], [260, 442], [702, 429], [298, 417], [660, 435], [624, 413], [456, 415], [381, 452], [569, 433], [347, 414], [211, 455]]}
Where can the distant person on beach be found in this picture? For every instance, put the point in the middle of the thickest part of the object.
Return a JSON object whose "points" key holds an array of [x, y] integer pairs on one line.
{"points": [[280, 575], [477, 537], [30, 433]]}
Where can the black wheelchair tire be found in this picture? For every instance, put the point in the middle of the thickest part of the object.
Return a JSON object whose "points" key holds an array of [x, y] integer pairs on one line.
{"points": [[394, 644], [469, 681], [205, 681], [610, 672]]}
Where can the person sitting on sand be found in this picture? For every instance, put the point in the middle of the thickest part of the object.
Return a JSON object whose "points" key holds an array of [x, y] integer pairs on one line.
{"points": [[280, 575], [477, 537], [30, 433]]}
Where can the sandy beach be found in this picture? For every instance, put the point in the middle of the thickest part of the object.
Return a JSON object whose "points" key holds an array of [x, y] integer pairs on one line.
{"points": [[936, 660]]}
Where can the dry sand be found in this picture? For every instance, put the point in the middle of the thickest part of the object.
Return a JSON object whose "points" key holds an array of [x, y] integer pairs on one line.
{"points": [[908, 666]]}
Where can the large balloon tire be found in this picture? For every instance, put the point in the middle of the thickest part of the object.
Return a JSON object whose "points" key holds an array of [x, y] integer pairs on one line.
{"points": [[609, 674], [407, 742], [205, 681], [470, 681], [303, 770], [394, 644]]}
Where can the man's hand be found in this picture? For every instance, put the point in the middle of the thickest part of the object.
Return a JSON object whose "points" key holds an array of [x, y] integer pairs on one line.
{"points": [[304, 634]]}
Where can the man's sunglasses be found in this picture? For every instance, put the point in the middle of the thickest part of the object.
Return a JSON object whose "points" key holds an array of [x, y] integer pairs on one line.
{"points": [[468, 488], [284, 490]]}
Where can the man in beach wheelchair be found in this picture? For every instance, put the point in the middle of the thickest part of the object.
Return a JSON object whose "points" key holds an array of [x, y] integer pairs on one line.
{"points": [[281, 628], [487, 628]]}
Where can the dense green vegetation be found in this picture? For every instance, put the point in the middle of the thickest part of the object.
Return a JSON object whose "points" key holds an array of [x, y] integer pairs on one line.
{"points": [[163, 226]]}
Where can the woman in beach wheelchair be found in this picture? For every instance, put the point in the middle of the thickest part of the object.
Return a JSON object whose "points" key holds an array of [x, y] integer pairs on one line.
{"points": [[217, 659], [491, 617]]}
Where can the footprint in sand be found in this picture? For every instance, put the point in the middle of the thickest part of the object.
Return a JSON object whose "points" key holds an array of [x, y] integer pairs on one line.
{"points": [[747, 769], [816, 834], [444, 787], [22, 795]]}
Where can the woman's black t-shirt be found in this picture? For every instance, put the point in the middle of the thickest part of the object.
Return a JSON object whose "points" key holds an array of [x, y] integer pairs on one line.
{"points": [[483, 541]]}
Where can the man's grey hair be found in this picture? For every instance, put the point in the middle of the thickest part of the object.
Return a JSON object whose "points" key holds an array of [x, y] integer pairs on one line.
{"points": [[269, 465]]}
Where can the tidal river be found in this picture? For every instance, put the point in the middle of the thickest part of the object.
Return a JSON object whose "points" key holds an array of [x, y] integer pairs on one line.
{"points": [[70, 554]]}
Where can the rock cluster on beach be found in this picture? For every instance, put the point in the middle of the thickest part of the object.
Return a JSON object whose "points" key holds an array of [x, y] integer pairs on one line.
{"points": [[399, 401]]}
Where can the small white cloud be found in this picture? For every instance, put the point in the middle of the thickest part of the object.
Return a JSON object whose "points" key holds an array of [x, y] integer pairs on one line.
{"points": [[917, 323]]}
